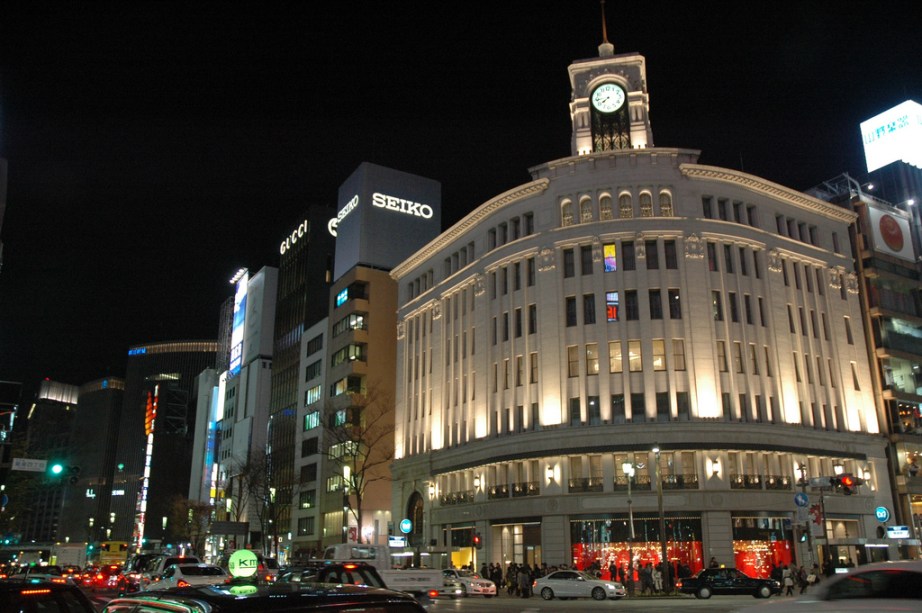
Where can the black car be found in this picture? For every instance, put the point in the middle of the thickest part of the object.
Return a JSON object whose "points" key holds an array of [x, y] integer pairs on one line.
{"points": [[280, 597], [129, 580], [43, 596], [353, 573], [727, 581]]}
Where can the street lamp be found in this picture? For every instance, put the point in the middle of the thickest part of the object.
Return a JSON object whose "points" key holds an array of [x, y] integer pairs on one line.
{"points": [[662, 518], [629, 471]]}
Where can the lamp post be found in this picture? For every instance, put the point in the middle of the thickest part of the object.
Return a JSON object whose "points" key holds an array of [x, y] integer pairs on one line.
{"points": [[629, 471], [662, 519]]}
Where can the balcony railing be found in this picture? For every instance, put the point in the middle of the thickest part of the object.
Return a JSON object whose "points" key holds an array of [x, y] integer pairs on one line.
{"points": [[680, 482], [639, 483], [457, 498], [498, 491], [778, 482], [525, 488], [745, 482], [586, 484]]}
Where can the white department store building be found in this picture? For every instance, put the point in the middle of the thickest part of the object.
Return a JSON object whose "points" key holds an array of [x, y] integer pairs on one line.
{"points": [[626, 299]]}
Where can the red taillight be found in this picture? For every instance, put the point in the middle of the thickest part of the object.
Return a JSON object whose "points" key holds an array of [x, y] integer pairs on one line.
{"points": [[350, 566], [34, 592], [433, 593], [58, 580], [182, 583]]}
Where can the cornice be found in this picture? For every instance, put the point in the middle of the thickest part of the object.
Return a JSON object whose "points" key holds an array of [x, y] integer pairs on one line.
{"points": [[473, 218], [761, 186]]}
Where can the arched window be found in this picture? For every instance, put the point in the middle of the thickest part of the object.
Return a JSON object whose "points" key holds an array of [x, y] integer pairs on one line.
{"points": [[646, 204], [566, 213], [665, 204], [605, 212], [585, 210], [625, 206]]}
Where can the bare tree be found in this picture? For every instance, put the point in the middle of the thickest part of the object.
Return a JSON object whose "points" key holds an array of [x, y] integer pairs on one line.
{"points": [[359, 442], [190, 520], [252, 491]]}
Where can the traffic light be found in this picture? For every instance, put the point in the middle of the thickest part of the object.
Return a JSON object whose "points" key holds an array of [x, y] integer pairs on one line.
{"points": [[56, 468], [478, 543], [847, 482], [74, 472]]}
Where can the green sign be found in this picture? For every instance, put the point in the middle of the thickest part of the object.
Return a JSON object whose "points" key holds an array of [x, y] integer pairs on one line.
{"points": [[243, 563]]}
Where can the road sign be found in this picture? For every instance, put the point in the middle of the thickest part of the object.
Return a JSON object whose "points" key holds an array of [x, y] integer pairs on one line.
{"points": [[406, 526], [882, 513], [801, 499], [30, 464]]}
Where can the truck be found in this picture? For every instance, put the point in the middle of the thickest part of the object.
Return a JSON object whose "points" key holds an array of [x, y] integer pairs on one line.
{"points": [[69, 554], [394, 566]]}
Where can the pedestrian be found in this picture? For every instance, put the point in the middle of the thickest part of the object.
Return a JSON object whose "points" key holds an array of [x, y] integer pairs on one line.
{"points": [[524, 580], [713, 563], [657, 579], [802, 579], [787, 579]]}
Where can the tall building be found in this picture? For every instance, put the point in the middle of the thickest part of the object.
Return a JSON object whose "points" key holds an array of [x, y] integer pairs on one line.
{"points": [[305, 275], [95, 432], [153, 455], [49, 436], [346, 414], [635, 356]]}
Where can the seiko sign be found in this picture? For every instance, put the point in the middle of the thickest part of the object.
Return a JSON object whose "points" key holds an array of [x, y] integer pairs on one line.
{"points": [[350, 206], [400, 205], [292, 238]]}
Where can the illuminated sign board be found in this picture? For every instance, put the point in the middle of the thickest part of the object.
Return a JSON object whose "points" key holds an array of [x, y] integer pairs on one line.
{"points": [[240, 308], [137, 351], [898, 532], [342, 297], [350, 206], [400, 205], [302, 229], [894, 135], [890, 232]]}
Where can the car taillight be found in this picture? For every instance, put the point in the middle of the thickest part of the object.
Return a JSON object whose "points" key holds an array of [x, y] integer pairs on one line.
{"points": [[182, 583], [58, 580], [34, 592], [433, 593]]}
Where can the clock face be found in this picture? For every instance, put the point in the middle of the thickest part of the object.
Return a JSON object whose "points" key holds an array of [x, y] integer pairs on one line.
{"points": [[608, 98]]}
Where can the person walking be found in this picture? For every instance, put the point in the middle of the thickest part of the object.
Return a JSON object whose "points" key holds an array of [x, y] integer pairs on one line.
{"points": [[787, 579], [524, 580], [657, 579]]}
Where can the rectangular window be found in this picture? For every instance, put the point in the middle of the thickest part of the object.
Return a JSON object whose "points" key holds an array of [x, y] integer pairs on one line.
{"points": [[832, 377], [569, 268], [592, 359], [722, 356], [761, 312], [652, 250], [808, 368], [820, 375], [575, 414], [307, 499], [738, 212], [791, 324], [659, 354], [638, 407], [530, 271], [635, 356], [747, 308], [803, 321], [311, 420], [517, 276], [757, 264], [848, 331], [571, 311], [309, 446], [678, 354], [533, 367], [504, 280], [315, 344], [819, 283], [506, 374], [493, 330], [722, 210], [728, 259], [797, 367], [656, 304], [662, 406], [505, 327], [631, 306], [615, 363], [585, 260], [753, 359], [712, 257], [609, 257], [808, 278], [519, 370], [784, 273], [611, 306], [738, 357], [744, 265], [312, 395], [518, 323], [707, 206], [768, 363], [734, 307], [672, 259], [751, 216], [717, 310], [779, 225], [532, 318], [617, 408], [675, 304], [588, 309], [795, 268], [825, 327], [813, 326], [573, 361], [627, 255], [855, 377]]}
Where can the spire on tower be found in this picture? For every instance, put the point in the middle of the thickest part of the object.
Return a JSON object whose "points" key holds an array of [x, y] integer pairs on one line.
{"points": [[606, 49]]}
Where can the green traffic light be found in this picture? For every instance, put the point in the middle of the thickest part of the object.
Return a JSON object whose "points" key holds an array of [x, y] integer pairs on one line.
{"points": [[57, 469]]}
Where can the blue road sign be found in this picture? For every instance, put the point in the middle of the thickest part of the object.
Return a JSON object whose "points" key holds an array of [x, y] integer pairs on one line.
{"points": [[406, 526], [801, 500], [882, 513]]}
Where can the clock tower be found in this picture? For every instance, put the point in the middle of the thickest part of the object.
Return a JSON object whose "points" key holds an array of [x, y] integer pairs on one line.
{"points": [[609, 104]]}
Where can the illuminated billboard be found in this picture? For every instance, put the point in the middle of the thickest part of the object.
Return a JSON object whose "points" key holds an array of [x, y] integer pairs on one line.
{"points": [[240, 309], [894, 135], [890, 233]]}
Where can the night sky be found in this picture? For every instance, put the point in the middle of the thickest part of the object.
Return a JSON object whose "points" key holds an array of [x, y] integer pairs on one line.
{"points": [[155, 148]]}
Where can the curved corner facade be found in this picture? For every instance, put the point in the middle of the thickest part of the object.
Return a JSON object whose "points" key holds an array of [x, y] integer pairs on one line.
{"points": [[628, 301]]}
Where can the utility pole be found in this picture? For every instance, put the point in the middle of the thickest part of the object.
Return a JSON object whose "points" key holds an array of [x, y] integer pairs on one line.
{"points": [[811, 558]]}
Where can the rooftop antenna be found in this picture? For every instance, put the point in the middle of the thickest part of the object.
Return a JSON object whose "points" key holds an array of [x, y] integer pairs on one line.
{"points": [[606, 49]]}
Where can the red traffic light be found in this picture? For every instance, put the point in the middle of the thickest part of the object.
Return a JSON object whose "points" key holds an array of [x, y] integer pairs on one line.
{"points": [[847, 480], [477, 542]]}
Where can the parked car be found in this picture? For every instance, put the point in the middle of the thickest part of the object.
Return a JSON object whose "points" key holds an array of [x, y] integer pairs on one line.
{"points": [[872, 588], [565, 584], [253, 598], [184, 575], [44, 596], [472, 583], [727, 581]]}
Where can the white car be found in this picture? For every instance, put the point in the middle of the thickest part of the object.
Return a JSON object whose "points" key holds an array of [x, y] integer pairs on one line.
{"points": [[472, 583], [185, 575], [565, 584], [884, 586]]}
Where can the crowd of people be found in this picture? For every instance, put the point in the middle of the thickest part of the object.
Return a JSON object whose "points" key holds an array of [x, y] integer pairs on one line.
{"points": [[793, 576]]}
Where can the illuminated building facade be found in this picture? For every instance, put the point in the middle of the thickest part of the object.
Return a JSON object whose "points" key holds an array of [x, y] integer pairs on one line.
{"points": [[629, 299], [155, 448]]}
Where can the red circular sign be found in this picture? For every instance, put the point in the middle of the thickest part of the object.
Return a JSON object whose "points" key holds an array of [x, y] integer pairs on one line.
{"points": [[891, 232]]}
